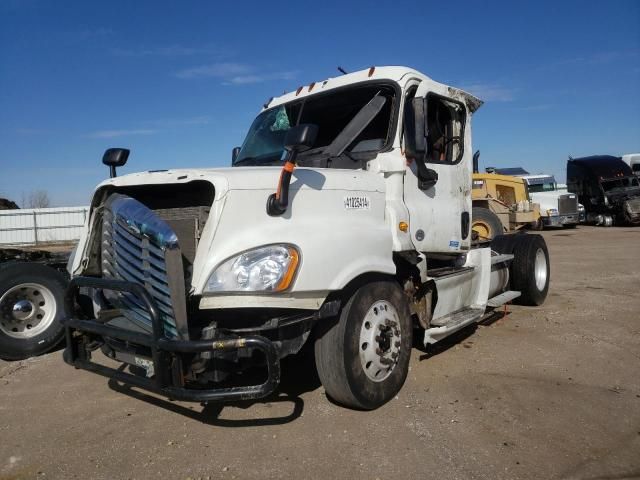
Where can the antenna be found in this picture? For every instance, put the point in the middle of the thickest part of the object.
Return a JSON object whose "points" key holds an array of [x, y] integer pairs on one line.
{"points": [[342, 70]]}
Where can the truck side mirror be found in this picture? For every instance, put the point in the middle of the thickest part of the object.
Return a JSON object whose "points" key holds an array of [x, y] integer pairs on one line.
{"points": [[300, 138], [415, 141], [115, 157], [234, 154], [415, 128]]}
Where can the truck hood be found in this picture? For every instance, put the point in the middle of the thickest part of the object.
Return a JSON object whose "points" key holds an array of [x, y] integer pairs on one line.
{"points": [[320, 211], [255, 178], [547, 200]]}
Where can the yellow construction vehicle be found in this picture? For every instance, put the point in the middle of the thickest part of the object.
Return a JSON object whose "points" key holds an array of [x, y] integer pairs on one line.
{"points": [[501, 204]]}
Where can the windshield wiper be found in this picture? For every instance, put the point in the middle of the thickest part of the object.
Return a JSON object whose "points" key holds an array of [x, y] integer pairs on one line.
{"points": [[273, 159], [355, 127], [243, 161]]}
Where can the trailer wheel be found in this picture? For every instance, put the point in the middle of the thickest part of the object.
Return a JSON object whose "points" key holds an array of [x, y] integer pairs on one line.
{"points": [[530, 271], [31, 307], [485, 223], [363, 358]]}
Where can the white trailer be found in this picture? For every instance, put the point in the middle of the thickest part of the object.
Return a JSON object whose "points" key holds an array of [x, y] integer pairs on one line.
{"points": [[344, 220]]}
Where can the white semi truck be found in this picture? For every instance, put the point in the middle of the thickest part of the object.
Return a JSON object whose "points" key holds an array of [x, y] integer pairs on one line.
{"points": [[557, 206], [344, 221]]}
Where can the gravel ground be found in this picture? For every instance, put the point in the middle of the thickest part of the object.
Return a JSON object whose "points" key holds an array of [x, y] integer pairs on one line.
{"points": [[548, 392]]}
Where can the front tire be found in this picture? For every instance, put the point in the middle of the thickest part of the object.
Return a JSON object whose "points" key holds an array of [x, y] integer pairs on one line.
{"points": [[363, 357], [31, 307]]}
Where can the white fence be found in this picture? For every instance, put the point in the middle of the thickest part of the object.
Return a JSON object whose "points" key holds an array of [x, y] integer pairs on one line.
{"points": [[34, 226]]}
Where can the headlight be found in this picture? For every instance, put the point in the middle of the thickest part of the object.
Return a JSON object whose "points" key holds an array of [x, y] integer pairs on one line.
{"points": [[552, 212], [264, 269]]}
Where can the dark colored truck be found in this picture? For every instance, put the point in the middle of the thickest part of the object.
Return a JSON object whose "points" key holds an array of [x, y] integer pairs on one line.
{"points": [[607, 188]]}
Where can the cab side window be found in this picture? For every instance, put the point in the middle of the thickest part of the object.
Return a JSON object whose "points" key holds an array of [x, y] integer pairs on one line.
{"points": [[445, 130]]}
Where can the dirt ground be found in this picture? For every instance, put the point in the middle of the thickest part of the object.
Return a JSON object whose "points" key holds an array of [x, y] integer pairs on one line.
{"points": [[548, 392]]}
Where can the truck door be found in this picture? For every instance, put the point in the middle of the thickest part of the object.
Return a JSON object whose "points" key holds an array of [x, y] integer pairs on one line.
{"points": [[440, 213]]}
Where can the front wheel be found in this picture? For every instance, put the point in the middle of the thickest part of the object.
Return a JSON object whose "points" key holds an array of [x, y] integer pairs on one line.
{"points": [[363, 357]]}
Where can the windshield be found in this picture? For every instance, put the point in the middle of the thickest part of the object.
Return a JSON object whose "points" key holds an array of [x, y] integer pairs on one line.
{"points": [[546, 185], [619, 183], [331, 112]]}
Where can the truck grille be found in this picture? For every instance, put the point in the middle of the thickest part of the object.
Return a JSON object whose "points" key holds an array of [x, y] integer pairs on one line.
{"points": [[568, 204], [633, 206], [139, 247]]}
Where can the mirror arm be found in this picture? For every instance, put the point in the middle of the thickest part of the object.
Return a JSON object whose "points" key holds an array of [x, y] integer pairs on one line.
{"points": [[427, 177], [298, 139], [278, 202]]}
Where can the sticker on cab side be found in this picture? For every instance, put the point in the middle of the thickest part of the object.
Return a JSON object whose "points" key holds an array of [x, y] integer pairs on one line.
{"points": [[357, 202], [454, 244]]}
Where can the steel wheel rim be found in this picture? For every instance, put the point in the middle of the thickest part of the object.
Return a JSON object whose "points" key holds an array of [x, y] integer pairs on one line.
{"points": [[26, 310], [541, 269], [482, 229], [380, 341]]}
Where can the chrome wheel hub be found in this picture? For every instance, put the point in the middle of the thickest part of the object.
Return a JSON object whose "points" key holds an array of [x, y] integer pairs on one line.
{"points": [[26, 310], [22, 310], [541, 269], [380, 341]]}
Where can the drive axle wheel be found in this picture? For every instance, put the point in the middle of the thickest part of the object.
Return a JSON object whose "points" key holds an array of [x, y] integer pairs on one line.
{"points": [[529, 271], [363, 358]]}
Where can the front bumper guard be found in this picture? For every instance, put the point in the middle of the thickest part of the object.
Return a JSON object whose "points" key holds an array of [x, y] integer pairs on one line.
{"points": [[165, 352], [559, 220]]}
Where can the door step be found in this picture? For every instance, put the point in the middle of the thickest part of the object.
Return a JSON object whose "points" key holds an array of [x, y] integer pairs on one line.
{"points": [[503, 298], [503, 258], [446, 272], [448, 324]]}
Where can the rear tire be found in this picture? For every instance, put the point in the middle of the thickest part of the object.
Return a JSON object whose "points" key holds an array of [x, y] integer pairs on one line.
{"points": [[485, 223], [505, 243], [529, 272], [31, 307], [363, 357]]}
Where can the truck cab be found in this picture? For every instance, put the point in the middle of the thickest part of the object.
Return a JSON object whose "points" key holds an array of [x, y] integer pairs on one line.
{"points": [[557, 207], [344, 220], [607, 188]]}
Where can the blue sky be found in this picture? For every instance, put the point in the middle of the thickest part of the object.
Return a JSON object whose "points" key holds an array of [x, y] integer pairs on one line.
{"points": [[179, 82]]}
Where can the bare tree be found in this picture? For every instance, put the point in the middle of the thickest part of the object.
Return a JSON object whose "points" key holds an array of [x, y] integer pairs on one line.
{"points": [[36, 199]]}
